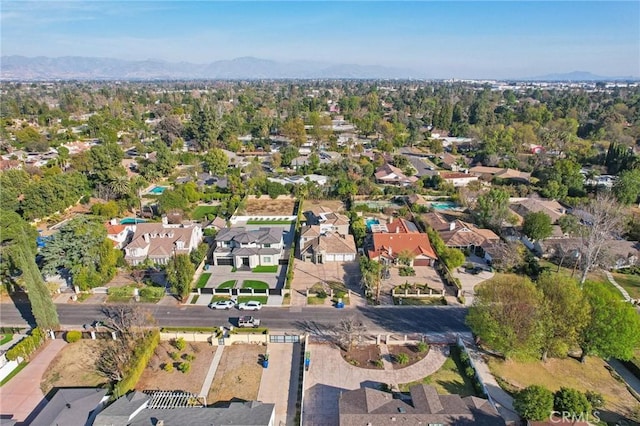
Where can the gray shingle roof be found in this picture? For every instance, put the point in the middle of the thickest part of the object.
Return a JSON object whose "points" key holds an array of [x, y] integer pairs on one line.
{"points": [[252, 413], [119, 412], [70, 406]]}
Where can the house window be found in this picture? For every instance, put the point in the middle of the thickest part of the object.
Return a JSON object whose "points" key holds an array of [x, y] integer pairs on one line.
{"points": [[266, 259], [267, 245]]}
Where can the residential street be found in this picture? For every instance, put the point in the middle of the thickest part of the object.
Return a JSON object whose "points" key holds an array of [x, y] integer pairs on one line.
{"points": [[380, 319]]}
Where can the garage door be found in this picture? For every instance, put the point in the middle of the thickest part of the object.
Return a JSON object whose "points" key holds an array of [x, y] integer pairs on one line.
{"points": [[225, 261], [339, 257], [349, 257], [422, 262], [329, 258]]}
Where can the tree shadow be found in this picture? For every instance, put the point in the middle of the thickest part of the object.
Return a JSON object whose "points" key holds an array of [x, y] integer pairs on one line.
{"points": [[23, 305]]}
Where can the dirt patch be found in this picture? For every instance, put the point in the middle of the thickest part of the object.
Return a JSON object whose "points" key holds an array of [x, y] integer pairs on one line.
{"points": [[156, 378], [238, 375], [74, 366], [265, 206], [411, 351], [334, 205], [365, 356]]}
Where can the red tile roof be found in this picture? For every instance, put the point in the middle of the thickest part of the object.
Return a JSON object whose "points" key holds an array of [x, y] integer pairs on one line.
{"points": [[390, 244], [115, 229]]}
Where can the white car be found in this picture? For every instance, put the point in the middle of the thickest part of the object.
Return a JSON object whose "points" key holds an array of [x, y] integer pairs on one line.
{"points": [[251, 305], [222, 304]]}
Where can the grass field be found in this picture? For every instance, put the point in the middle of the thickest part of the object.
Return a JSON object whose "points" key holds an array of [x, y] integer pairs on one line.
{"points": [[631, 283], [202, 211], [266, 206], [245, 299], [313, 300], [258, 285], [195, 299], [592, 375], [433, 301], [5, 338], [448, 379], [265, 269], [202, 281], [227, 284]]}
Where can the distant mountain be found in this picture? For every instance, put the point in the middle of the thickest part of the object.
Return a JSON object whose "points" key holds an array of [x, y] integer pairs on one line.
{"points": [[578, 76], [84, 68]]}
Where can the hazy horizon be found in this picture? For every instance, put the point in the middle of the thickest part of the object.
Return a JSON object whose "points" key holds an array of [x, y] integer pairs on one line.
{"points": [[442, 40]]}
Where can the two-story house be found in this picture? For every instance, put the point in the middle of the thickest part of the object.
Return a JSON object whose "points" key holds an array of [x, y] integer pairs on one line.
{"points": [[242, 248], [388, 174], [327, 220], [159, 242], [403, 238], [462, 235], [320, 246]]}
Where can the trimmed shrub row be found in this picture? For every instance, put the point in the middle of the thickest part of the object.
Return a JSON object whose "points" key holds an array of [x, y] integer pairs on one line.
{"points": [[141, 355], [25, 347]]}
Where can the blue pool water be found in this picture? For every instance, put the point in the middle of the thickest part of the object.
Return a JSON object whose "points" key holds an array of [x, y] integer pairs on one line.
{"points": [[372, 221], [443, 205], [158, 190], [131, 220]]}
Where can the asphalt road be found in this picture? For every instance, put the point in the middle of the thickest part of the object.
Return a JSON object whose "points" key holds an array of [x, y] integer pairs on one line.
{"points": [[401, 319]]}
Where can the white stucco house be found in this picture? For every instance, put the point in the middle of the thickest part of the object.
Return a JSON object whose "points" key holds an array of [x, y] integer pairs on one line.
{"points": [[159, 242], [242, 248]]}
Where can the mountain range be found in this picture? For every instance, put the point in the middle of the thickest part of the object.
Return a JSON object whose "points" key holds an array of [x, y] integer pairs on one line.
{"points": [[246, 68]]}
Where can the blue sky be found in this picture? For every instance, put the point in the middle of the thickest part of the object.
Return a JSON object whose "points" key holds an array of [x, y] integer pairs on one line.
{"points": [[439, 39]]}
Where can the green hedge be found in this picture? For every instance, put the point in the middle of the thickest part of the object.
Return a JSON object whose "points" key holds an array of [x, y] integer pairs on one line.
{"points": [[257, 330], [73, 336], [190, 329], [151, 294], [26, 346], [141, 355]]}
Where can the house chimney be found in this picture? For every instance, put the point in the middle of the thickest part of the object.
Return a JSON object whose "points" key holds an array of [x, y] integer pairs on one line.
{"points": [[165, 220], [113, 222], [452, 226]]}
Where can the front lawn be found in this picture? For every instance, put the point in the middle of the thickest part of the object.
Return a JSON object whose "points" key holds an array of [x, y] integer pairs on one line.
{"points": [[5, 338], [202, 281], [227, 284], [245, 299], [631, 283], [265, 269], [449, 379], [592, 375], [256, 285], [313, 300], [202, 211]]}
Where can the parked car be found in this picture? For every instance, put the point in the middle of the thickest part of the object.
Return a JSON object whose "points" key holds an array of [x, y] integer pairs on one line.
{"points": [[247, 322], [222, 304], [252, 305]]}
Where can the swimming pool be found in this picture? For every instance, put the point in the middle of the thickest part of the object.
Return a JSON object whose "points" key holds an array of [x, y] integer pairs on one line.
{"points": [[372, 221], [131, 220], [158, 190], [443, 205]]}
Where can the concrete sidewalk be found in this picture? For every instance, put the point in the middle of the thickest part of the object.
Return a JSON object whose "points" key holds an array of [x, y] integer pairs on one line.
{"points": [[22, 394], [284, 362], [632, 381]]}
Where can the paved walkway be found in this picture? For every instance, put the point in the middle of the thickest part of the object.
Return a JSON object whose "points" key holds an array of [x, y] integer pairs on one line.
{"points": [[329, 375], [284, 362], [618, 286], [469, 282], [22, 394], [206, 385], [627, 376], [502, 400]]}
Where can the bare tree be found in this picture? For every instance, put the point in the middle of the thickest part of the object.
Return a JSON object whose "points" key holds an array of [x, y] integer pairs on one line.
{"points": [[115, 356], [602, 219], [348, 331], [128, 320]]}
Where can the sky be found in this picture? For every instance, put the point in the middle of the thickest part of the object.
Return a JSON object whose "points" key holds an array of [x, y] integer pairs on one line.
{"points": [[453, 39]]}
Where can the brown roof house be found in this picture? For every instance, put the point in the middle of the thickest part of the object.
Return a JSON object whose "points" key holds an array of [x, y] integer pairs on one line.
{"points": [[459, 234], [425, 406], [320, 246], [551, 208], [458, 179], [391, 175], [159, 242], [327, 220], [403, 236]]}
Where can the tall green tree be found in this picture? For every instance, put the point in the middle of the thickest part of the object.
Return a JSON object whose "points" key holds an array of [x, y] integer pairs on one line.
{"points": [[506, 315], [537, 226], [180, 273], [17, 255], [613, 330], [216, 161], [566, 314], [493, 208], [627, 187], [568, 400]]}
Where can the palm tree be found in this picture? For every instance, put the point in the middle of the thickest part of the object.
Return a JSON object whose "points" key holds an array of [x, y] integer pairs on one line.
{"points": [[119, 185]]}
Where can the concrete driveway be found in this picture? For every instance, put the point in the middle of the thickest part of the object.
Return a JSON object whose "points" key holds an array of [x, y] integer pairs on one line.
{"points": [[470, 281], [329, 375], [306, 274], [284, 363]]}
